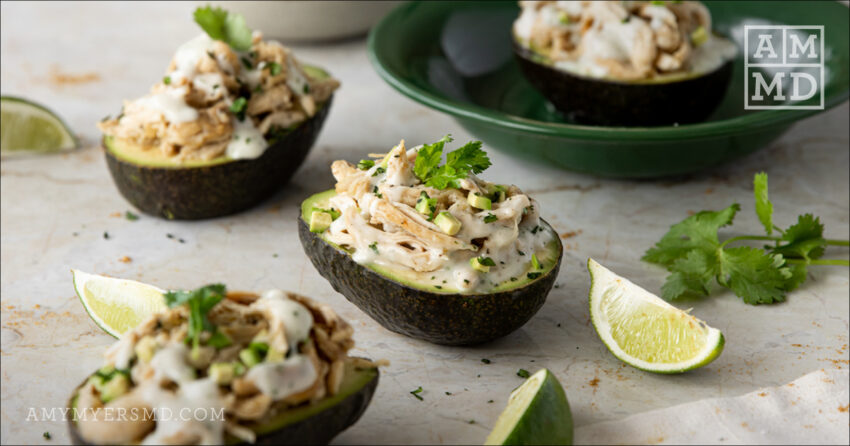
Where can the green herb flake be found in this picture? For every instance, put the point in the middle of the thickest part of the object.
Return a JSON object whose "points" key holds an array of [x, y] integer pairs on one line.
{"points": [[200, 301], [274, 68], [166, 80], [365, 164], [238, 107], [374, 247], [523, 373], [379, 171], [470, 158], [485, 360], [46, 435], [130, 216], [490, 218], [225, 26], [533, 276], [417, 392]]}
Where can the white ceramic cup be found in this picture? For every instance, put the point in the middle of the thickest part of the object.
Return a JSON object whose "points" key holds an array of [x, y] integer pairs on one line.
{"points": [[309, 20]]}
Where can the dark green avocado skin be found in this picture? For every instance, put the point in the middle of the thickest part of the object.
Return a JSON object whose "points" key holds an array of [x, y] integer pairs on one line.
{"points": [[317, 429], [600, 102], [447, 319], [213, 191]]}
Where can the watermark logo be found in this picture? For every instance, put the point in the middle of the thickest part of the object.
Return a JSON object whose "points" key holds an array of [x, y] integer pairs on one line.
{"points": [[783, 67]]}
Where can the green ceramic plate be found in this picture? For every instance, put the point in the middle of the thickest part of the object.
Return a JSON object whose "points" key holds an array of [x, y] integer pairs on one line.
{"points": [[456, 57]]}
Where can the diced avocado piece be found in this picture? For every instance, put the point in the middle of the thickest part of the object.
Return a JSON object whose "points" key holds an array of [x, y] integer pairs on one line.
{"points": [[274, 355], [224, 372], [145, 348], [448, 223], [115, 387], [535, 264], [482, 264], [499, 193], [479, 201], [320, 221], [426, 205], [250, 357], [699, 36]]}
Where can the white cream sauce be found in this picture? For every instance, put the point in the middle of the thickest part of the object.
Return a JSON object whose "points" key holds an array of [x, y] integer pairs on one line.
{"points": [[170, 104], [194, 410], [170, 362], [279, 380], [295, 318], [247, 141]]}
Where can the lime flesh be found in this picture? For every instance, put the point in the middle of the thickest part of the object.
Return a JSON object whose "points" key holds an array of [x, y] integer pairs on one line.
{"points": [[26, 127], [644, 331], [537, 413], [117, 305]]}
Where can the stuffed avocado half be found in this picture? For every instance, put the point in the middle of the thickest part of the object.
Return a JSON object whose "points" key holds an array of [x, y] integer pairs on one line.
{"points": [[432, 251], [228, 125], [218, 367], [642, 63]]}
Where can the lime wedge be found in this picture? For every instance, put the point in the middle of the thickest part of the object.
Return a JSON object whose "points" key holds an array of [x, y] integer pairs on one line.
{"points": [[117, 305], [26, 127], [537, 413], [644, 331]]}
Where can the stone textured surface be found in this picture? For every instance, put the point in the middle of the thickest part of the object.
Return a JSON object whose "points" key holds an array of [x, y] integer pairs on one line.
{"points": [[82, 59]]}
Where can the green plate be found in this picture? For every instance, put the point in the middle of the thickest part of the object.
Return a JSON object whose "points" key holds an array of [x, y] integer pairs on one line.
{"points": [[456, 57]]}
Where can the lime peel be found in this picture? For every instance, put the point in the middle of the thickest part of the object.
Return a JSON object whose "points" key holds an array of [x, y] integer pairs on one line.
{"points": [[643, 330]]}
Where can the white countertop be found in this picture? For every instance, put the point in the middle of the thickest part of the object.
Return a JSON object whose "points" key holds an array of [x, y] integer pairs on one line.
{"points": [[82, 59]]}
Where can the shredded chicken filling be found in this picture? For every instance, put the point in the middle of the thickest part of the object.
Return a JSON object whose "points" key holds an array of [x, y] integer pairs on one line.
{"points": [[163, 374], [379, 222], [634, 40], [216, 102]]}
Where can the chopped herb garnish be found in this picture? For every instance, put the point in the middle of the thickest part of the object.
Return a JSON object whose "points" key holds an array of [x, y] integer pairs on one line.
{"points": [[274, 68], [513, 279], [417, 392], [489, 401], [471, 421], [166, 80], [520, 253], [523, 373], [306, 88], [459, 163], [448, 393], [105, 235], [215, 87], [379, 171], [238, 108], [169, 235], [438, 287], [535, 229], [258, 89], [533, 276], [200, 302], [490, 218], [248, 141], [466, 281], [485, 360], [225, 26], [131, 216], [374, 247], [486, 261], [46, 435], [274, 255], [365, 164]]}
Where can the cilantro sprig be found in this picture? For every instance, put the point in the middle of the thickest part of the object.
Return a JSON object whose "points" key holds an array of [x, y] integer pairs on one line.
{"points": [[200, 302], [228, 27], [693, 253], [459, 163]]}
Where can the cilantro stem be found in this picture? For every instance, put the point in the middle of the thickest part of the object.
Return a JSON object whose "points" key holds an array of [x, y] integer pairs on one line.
{"points": [[838, 262], [837, 242], [748, 237]]}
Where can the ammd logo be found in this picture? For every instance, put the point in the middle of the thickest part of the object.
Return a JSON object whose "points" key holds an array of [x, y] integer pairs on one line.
{"points": [[784, 67]]}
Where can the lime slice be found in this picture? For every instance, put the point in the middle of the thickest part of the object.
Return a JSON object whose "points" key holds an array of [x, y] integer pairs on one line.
{"points": [[27, 127], [117, 305], [537, 413], [644, 331]]}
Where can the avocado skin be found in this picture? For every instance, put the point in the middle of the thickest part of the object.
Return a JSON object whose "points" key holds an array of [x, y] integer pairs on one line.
{"points": [[602, 102], [446, 319], [213, 191], [317, 429]]}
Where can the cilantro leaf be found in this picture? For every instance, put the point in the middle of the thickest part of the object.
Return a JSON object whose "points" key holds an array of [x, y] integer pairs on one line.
{"points": [[459, 163], [698, 231], [691, 274], [200, 302], [804, 239], [764, 208], [228, 27], [428, 158], [468, 158], [753, 275]]}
